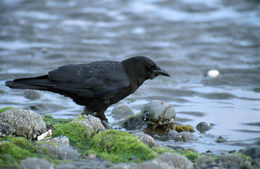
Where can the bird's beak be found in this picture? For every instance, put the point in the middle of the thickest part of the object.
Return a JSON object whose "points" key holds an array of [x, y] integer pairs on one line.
{"points": [[160, 71]]}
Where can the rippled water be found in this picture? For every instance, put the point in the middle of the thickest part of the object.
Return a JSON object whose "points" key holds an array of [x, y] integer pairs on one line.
{"points": [[185, 37]]}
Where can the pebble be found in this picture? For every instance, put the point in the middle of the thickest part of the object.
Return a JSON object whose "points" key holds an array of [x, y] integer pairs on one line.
{"points": [[122, 112], [202, 127], [32, 94], [221, 139]]}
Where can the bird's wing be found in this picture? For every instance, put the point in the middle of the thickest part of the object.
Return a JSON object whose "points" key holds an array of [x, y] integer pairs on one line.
{"points": [[90, 80]]}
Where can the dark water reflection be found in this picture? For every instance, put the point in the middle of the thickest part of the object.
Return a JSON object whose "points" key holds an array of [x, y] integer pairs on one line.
{"points": [[186, 37]]}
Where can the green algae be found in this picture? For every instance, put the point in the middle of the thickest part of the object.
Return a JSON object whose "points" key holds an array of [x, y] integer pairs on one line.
{"points": [[48, 119], [118, 146], [77, 134], [5, 108], [161, 150], [192, 156], [188, 128], [15, 149]]}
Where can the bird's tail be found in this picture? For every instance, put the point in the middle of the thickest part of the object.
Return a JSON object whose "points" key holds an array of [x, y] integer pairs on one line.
{"points": [[38, 83]]}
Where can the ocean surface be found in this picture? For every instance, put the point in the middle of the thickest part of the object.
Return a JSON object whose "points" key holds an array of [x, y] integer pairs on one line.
{"points": [[185, 37]]}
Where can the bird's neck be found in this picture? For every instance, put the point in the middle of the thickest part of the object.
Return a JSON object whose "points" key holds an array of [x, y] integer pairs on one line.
{"points": [[134, 76]]}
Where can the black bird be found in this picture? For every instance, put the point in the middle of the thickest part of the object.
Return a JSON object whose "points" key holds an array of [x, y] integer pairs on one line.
{"points": [[96, 85]]}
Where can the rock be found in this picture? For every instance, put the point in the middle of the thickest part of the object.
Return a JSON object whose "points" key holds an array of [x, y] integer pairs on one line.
{"points": [[145, 138], [221, 139], [157, 109], [203, 127], [159, 115], [61, 140], [205, 162], [122, 112], [35, 163], [232, 161], [57, 151], [32, 94], [87, 164], [253, 152], [20, 122], [44, 50], [173, 161], [183, 136], [90, 121]]}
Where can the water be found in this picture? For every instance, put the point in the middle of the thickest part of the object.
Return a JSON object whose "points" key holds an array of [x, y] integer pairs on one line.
{"points": [[186, 37]]}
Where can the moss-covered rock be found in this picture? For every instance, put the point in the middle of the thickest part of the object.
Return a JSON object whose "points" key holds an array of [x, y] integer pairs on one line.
{"points": [[15, 149], [5, 108], [117, 146], [78, 135]]}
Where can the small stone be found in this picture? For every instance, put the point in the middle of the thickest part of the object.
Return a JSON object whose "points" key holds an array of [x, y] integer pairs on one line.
{"points": [[45, 135], [44, 50], [60, 152], [221, 139], [253, 152], [122, 112], [184, 137], [35, 163], [145, 138], [61, 140], [90, 121], [32, 94], [213, 73], [20, 122], [202, 127]]}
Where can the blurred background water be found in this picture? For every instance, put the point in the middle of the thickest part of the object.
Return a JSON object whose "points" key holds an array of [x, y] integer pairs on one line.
{"points": [[186, 37]]}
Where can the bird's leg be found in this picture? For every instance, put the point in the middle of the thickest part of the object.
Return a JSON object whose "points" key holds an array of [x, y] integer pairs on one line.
{"points": [[100, 115], [86, 111]]}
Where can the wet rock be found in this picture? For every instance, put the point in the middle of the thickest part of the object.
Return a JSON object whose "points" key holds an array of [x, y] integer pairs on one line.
{"points": [[183, 136], [145, 138], [221, 139], [44, 50], [61, 140], [158, 113], [121, 112], [87, 164], [135, 123], [35, 163], [57, 151], [232, 161], [32, 94], [254, 153], [20, 122], [203, 127], [157, 109], [90, 121]]}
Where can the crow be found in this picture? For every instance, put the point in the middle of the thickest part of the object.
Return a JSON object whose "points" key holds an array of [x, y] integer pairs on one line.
{"points": [[95, 85]]}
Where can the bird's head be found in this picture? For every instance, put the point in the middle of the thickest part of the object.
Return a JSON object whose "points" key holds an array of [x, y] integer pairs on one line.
{"points": [[143, 68]]}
